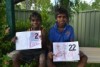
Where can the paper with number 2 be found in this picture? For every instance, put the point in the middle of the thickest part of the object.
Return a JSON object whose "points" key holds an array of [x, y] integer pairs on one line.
{"points": [[28, 40]]}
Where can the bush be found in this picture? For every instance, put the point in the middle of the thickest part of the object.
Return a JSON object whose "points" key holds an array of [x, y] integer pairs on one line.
{"points": [[5, 44], [22, 26]]}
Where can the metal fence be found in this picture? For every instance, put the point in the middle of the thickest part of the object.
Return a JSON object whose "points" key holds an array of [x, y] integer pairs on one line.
{"points": [[86, 26], [22, 15]]}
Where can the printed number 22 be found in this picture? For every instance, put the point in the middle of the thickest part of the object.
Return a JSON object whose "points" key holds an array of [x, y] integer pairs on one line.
{"points": [[72, 47]]}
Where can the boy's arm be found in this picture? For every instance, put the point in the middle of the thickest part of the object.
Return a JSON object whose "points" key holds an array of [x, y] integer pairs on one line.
{"points": [[72, 35], [13, 40], [44, 38], [50, 46]]}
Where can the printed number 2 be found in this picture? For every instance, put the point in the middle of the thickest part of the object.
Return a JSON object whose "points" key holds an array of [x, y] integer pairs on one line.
{"points": [[36, 35], [72, 47]]}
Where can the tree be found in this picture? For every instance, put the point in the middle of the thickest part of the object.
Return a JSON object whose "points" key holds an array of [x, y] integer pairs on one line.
{"points": [[64, 3], [84, 6], [80, 6], [96, 4]]}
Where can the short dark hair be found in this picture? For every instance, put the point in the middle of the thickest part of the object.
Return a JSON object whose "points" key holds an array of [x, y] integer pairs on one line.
{"points": [[61, 10], [36, 15]]}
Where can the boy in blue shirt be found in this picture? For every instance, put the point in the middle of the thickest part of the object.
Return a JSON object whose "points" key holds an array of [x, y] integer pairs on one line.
{"points": [[62, 32]]}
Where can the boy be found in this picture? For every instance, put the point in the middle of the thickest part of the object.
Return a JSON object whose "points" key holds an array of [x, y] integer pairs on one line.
{"points": [[62, 32], [28, 55]]}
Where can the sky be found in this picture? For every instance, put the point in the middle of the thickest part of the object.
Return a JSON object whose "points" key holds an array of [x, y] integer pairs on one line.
{"points": [[88, 1]]}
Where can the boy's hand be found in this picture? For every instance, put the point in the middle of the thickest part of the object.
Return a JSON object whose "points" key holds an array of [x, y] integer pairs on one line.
{"points": [[50, 55], [14, 39], [7, 31]]}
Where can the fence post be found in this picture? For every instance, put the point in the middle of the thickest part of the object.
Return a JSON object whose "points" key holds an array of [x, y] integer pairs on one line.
{"points": [[10, 14]]}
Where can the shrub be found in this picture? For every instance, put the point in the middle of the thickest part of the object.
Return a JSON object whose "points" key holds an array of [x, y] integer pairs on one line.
{"points": [[22, 26]]}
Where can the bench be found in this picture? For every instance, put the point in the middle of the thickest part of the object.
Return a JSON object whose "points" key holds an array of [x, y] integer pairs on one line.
{"points": [[93, 54]]}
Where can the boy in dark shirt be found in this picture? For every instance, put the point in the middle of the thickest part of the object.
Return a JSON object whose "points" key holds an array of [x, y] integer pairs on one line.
{"points": [[30, 54]]}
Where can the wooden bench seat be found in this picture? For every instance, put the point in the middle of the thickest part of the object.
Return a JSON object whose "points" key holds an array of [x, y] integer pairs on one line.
{"points": [[93, 54]]}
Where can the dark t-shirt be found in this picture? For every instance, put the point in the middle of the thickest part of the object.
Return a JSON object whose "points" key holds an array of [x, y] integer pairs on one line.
{"points": [[31, 53]]}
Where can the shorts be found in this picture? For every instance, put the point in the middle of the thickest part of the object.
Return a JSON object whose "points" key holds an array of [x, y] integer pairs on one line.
{"points": [[29, 55]]}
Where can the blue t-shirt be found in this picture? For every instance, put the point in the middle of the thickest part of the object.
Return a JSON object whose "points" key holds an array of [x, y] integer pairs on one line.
{"points": [[65, 36]]}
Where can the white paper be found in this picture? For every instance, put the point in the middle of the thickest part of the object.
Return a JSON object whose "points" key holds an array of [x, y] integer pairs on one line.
{"points": [[65, 51], [28, 40]]}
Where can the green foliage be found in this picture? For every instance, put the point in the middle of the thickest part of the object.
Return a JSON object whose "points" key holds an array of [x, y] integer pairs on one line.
{"points": [[84, 6], [31, 64], [5, 45], [3, 27], [2, 15], [96, 4], [5, 61], [47, 19], [64, 3], [44, 7], [78, 5], [22, 26]]}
